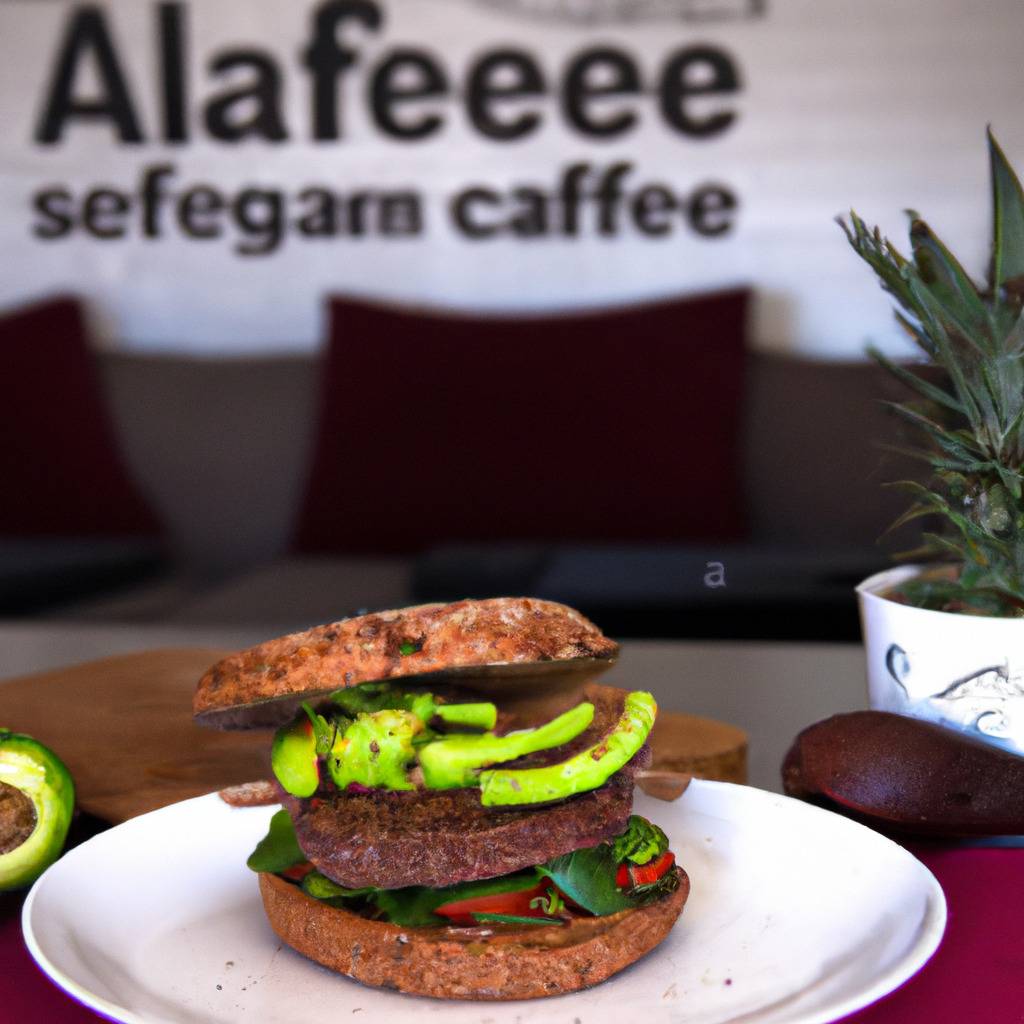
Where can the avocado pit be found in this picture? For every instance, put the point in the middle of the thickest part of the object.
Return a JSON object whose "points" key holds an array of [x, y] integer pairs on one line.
{"points": [[17, 818]]}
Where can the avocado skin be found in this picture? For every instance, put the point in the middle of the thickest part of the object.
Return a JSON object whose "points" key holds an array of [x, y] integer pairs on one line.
{"points": [[35, 771]]}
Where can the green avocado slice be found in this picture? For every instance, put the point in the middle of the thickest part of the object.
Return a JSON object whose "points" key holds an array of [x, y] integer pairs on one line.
{"points": [[455, 760], [42, 779], [378, 747], [370, 697], [375, 750], [293, 758], [370, 740], [585, 771]]}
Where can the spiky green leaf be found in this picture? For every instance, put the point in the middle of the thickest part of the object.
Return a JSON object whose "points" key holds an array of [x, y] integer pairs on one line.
{"points": [[1007, 219], [1014, 438], [954, 443], [881, 256], [1011, 480], [918, 336], [912, 513], [1013, 341], [977, 413], [919, 384], [950, 285], [973, 427]]}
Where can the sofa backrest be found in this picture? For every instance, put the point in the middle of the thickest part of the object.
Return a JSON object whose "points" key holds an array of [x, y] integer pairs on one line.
{"points": [[222, 447], [816, 452]]}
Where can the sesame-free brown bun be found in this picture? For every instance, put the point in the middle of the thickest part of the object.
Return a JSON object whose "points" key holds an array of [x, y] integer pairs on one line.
{"points": [[513, 636], [485, 962]]}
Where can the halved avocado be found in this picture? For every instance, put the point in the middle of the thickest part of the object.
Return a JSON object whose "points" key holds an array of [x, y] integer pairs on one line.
{"points": [[37, 798]]}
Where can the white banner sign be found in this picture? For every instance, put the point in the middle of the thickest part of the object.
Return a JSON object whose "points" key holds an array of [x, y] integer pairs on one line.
{"points": [[205, 171]]}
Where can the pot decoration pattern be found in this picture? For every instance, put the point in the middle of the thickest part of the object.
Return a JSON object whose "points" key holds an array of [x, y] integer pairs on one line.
{"points": [[962, 671], [982, 702]]}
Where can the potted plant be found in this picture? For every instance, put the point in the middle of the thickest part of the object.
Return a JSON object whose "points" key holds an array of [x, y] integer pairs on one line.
{"points": [[945, 634]]}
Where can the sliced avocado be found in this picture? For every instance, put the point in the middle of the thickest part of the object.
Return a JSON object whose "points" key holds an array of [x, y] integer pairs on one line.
{"points": [[477, 716], [587, 770], [324, 729], [370, 697], [366, 697], [37, 798], [372, 748], [375, 750], [454, 761], [293, 757]]}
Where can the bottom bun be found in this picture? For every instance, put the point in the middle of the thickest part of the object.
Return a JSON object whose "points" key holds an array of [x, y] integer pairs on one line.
{"points": [[483, 962]]}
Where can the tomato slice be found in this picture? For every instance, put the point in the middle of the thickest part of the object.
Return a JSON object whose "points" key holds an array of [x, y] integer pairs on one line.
{"points": [[516, 903], [633, 875], [297, 872]]}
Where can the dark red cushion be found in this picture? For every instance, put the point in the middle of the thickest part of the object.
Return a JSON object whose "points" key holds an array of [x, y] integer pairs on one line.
{"points": [[61, 470], [619, 425]]}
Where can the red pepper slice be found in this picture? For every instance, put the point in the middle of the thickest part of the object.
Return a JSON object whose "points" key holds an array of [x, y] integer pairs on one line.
{"points": [[633, 875], [516, 903], [297, 872]]}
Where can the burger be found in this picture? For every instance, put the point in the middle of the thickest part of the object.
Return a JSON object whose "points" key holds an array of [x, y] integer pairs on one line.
{"points": [[456, 796]]}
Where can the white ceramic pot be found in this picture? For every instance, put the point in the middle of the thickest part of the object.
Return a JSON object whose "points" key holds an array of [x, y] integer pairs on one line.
{"points": [[963, 671]]}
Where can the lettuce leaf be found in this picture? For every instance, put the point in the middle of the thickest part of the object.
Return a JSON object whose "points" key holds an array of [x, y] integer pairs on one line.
{"points": [[641, 843], [415, 905], [320, 887], [515, 919], [587, 876], [278, 850]]}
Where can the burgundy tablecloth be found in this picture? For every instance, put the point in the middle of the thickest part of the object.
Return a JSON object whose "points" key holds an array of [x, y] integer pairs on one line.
{"points": [[976, 977]]}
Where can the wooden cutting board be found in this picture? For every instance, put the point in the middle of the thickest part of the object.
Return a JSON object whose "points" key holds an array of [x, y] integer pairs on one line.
{"points": [[124, 728]]}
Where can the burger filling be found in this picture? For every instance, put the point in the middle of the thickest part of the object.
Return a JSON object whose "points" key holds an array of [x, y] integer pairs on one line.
{"points": [[377, 736], [415, 808], [632, 870]]}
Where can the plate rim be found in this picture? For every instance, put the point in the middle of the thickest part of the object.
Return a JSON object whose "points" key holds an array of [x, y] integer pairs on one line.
{"points": [[90, 1000], [930, 933], [931, 930]]}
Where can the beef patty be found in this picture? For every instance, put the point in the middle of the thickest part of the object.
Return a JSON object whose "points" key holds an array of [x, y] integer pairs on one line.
{"points": [[441, 837]]}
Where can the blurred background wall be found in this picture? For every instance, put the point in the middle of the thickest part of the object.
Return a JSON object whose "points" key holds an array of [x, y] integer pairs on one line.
{"points": [[313, 306], [723, 136]]}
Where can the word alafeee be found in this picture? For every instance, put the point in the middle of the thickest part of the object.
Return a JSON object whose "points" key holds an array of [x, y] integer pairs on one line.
{"points": [[601, 90]]}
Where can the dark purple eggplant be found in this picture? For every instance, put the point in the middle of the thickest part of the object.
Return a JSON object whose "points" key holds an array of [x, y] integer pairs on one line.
{"points": [[907, 775]]}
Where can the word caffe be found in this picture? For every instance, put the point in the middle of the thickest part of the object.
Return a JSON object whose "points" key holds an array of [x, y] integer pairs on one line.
{"points": [[601, 92], [583, 200]]}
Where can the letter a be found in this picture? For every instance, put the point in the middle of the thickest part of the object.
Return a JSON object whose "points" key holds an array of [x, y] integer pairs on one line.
{"points": [[88, 33], [716, 577]]}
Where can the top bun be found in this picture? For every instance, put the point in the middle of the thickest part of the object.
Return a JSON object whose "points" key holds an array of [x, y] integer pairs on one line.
{"points": [[470, 640]]}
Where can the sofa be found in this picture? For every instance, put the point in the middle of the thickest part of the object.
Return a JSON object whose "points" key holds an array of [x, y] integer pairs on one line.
{"points": [[222, 451]]}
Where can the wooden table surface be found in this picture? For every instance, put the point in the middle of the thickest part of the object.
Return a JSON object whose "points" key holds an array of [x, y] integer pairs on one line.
{"points": [[123, 726]]}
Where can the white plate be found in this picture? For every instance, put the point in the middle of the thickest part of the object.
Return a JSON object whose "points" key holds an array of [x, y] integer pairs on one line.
{"points": [[795, 915]]}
